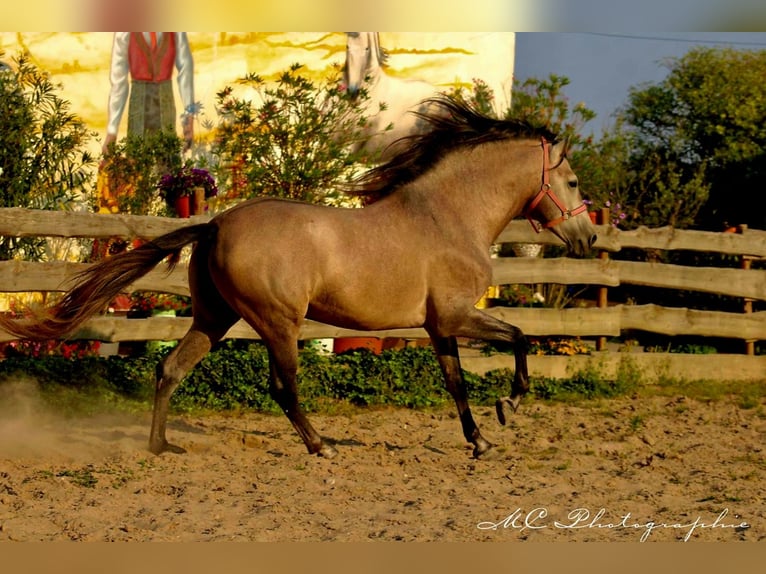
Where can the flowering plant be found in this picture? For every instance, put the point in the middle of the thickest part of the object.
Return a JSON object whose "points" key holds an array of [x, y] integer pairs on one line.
{"points": [[522, 296], [616, 213], [183, 182], [57, 348], [558, 346], [148, 302]]}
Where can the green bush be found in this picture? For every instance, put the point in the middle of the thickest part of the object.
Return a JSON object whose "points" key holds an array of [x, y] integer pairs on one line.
{"points": [[296, 143], [134, 166], [235, 375], [83, 386], [44, 158]]}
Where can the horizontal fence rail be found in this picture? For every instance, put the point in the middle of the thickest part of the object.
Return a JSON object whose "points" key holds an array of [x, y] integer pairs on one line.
{"points": [[602, 321], [535, 322], [22, 276], [21, 222]]}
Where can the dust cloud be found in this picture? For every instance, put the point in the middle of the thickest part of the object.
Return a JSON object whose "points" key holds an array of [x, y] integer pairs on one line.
{"points": [[31, 428]]}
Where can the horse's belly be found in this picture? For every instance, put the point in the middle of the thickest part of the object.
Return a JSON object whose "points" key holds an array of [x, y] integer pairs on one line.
{"points": [[369, 312]]}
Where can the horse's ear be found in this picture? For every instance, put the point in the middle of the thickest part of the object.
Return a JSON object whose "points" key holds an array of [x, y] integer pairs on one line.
{"points": [[559, 151], [380, 52]]}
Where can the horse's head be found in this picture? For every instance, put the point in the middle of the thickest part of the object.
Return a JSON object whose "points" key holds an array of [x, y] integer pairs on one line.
{"points": [[364, 56], [558, 206]]}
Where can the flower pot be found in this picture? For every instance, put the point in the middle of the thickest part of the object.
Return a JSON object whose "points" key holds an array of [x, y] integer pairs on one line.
{"points": [[527, 249], [183, 206], [593, 217], [373, 344], [121, 304], [109, 349]]}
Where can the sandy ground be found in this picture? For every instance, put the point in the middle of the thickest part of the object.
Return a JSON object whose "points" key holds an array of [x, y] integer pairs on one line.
{"points": [[658, 469]]}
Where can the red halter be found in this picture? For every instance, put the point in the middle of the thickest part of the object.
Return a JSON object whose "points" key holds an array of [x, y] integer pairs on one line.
{"points": [[545, 189]]}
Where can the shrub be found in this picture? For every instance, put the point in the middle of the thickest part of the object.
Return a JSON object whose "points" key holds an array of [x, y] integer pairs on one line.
{"points": [[295, 144], [44, 162], [235, 375], [133, 167]]}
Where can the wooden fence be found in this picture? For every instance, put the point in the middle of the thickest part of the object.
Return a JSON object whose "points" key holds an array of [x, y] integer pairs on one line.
{"points": [[599, 322]]}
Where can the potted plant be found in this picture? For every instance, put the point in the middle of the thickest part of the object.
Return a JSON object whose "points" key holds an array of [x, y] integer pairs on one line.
{"points": [[186, 189], [615, 216]]}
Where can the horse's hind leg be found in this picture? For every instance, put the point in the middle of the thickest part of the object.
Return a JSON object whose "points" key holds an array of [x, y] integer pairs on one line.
{"points": [[213, 317], [283, 387], [449, 360], [195, 344]]}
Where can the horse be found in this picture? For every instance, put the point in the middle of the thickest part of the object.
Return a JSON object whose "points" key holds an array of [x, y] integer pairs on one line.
{"points": [[390, 100], [418, 256]]}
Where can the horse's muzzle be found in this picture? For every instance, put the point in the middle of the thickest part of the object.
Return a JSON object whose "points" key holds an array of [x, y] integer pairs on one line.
{"points": [[581, 247]]}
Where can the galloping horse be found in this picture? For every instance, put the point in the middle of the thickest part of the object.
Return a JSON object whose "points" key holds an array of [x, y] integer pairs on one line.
{"points": [[391, 100], [417, 257]]}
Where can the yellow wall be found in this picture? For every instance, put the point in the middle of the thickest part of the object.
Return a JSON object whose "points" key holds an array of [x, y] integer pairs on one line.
{"points": [[80, 61]]}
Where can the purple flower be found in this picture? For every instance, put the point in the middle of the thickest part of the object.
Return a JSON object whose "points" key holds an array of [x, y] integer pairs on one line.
{"points": [[182, 182]]}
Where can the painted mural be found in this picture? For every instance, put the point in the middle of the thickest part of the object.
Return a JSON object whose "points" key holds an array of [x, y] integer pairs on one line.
{"points": [[81, 63]]}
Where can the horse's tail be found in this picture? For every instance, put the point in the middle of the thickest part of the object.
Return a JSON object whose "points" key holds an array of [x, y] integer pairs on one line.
{"points": [[99, 284]]}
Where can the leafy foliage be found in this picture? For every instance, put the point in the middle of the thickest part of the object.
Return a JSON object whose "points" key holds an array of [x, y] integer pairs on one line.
{"points": [[234, 376], [294, 143], [540, 102], [44, 162], [683, 146], [134, 166]]}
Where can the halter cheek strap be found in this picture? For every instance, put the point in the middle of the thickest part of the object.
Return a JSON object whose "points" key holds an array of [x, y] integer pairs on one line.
{"points": [[547, 190]]}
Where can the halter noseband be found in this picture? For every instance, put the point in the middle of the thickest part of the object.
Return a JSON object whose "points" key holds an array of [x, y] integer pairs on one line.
{"points": [[545, 189]]}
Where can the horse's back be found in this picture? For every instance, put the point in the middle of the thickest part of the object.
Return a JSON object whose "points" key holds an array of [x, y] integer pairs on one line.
{"points": [[270, 229]]}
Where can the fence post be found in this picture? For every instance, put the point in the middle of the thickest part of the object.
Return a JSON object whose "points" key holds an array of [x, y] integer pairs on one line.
{"points": [[602, 299], [748, 303]]}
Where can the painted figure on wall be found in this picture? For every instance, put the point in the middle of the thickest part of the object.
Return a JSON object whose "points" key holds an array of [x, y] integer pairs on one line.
{"points": [[141, 76], [391, 100]]}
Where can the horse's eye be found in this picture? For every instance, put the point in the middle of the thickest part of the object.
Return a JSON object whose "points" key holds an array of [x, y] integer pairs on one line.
{"points": [[573, 183]]}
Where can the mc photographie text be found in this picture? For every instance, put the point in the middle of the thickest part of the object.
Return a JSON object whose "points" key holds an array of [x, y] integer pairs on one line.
{"points": [[585, 519]]}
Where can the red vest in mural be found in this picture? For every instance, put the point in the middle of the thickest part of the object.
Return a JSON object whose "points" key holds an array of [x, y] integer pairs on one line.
{"points": [[149, 64]]}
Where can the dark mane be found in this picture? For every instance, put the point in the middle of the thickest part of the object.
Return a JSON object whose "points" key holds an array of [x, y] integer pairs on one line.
{"points": [[453, 124]]}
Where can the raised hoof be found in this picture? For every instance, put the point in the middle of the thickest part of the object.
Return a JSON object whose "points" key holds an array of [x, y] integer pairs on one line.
{"points": [[327, 451], [165, 446], [504, 407]]}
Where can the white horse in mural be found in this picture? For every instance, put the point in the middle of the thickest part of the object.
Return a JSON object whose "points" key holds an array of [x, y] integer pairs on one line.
{"points": [[391, 100]]}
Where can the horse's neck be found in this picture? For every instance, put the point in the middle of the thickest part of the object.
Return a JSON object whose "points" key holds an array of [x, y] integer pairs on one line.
{"points": [[478, 193], [377, 86]]}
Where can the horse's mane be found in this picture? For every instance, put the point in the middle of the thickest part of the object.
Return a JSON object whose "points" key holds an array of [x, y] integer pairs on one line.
{"points": [[453, 124]]}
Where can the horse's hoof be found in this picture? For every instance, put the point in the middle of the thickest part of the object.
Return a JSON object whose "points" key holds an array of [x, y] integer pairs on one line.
{"points": [[327, 451], [482, 449], [505, 406], [485, 451], [164, 446]]}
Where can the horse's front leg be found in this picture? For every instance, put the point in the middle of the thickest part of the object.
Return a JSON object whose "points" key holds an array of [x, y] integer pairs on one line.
{"points": [[520, 384], [476, 324], [449, 360]]}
